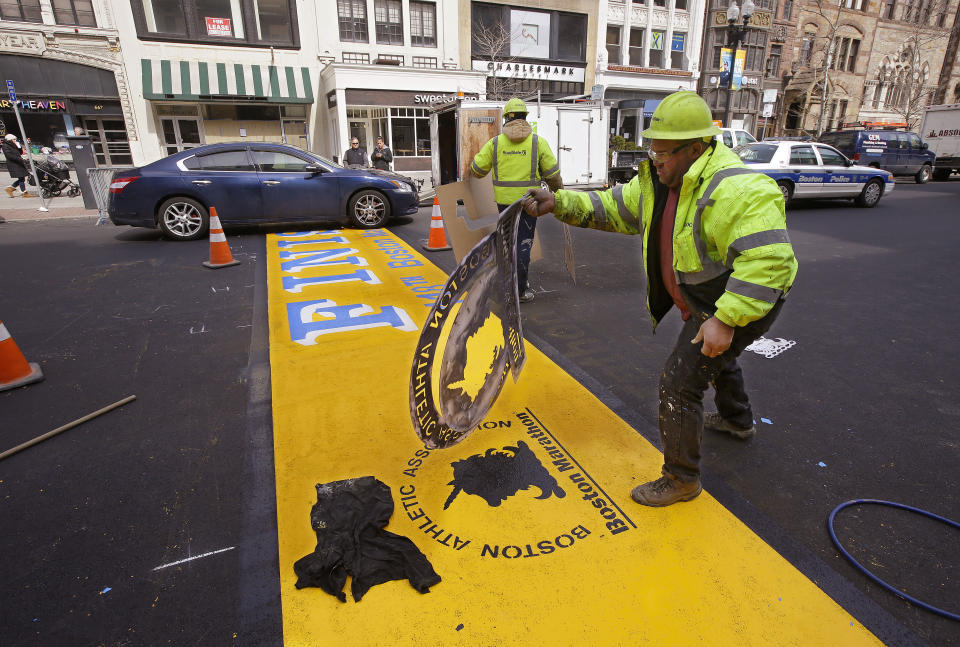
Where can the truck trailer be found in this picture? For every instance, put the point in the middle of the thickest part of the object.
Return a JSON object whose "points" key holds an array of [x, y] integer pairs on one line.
{"points": [[940, 129], [576, 132]]}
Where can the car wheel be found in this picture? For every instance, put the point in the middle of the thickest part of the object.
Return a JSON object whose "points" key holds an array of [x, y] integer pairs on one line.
{"points": [[786, 190], [870, 195], [941, 174], [182, 219], [923, 175], [368, 209]]}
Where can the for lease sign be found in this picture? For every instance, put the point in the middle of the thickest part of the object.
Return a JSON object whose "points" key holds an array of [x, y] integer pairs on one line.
{"points": [[218, 26]]}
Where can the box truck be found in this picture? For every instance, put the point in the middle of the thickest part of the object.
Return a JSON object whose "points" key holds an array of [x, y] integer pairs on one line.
{"points": [[576, 132], [940, 129]]}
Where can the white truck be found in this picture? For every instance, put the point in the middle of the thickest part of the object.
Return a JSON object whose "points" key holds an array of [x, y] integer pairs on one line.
{"points": [[576, 132], [940, 129]]}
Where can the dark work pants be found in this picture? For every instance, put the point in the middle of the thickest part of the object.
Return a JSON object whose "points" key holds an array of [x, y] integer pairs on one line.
{"points": [[525, 230], [685, 379]]}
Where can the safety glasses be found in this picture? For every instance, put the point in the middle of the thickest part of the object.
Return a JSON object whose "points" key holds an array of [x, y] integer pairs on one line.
{"points": [[663, 156]]}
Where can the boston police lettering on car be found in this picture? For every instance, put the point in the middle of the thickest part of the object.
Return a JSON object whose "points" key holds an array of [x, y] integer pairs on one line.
{"points": [[813, 170]]}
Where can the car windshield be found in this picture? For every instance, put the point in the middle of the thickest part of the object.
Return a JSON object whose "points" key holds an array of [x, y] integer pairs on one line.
{"points": [[756, 153]]}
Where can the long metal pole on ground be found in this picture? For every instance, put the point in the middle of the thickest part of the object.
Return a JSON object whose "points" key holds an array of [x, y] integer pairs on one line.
{"points": [[33, 169], [69, 425]]}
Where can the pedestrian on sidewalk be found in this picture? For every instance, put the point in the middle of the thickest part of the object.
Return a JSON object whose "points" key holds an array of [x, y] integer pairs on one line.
{"points": [[355, 157], [381, 156], [16, 166], [715, 245], [520, 160]]}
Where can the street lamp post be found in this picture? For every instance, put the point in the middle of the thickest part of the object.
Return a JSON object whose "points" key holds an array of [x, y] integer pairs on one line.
{"points": [[736, 35]]}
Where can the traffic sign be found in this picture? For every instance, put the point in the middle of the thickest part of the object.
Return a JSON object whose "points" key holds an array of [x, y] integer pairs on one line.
{"points": [[11, 90]]}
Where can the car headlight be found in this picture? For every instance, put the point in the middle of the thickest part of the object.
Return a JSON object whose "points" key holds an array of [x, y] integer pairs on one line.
{"points": [[401, 186]]}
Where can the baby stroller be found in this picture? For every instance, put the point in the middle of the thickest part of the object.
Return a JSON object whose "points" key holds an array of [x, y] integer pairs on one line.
{"points": [[54, 177]]}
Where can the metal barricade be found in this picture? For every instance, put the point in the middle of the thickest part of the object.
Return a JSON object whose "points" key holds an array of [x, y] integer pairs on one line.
{"points": [[100, 179]]}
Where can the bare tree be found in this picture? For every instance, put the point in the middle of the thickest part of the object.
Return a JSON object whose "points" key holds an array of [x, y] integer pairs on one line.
{"points": [[825, 58], [492, 42], [906, 76]]}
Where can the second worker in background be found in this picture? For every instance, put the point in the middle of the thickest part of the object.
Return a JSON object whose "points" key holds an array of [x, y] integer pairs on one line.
{"points": [[520, 160]]}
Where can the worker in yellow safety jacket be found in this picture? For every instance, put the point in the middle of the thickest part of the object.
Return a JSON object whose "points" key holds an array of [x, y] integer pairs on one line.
{"points": [[520, 161], [715, 245]]}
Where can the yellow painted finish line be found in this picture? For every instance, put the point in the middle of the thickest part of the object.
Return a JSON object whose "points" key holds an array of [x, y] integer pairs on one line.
{"points": [[554, 554]]}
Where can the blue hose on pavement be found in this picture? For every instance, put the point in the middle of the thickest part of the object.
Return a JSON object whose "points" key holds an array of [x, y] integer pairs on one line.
{"points": [[911, 600]]}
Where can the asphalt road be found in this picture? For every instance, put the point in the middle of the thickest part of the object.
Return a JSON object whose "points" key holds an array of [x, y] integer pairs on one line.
{"points": [[869, 391], [95, 517]]}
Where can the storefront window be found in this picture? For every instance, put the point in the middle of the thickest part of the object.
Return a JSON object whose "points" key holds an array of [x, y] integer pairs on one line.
{"points": [[571, 37], [164, 17], [613, 45], [411, 132], [352, 15], [216, 20], [656, 48], [389, 21], [636, 47], [677, 46], [23, 10], [423, 24], [74, 12], [273, 20], [109, 140]]}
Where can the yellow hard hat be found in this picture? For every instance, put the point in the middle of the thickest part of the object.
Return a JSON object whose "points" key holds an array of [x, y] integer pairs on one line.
{"points": [[682, 115], [515, 106]]}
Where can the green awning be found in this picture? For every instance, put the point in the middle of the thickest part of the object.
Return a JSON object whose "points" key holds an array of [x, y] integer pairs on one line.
{"points": [[199, 80]]}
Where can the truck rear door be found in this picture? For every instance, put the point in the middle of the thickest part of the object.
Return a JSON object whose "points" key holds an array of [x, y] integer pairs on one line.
{"points": [[573, 146]]}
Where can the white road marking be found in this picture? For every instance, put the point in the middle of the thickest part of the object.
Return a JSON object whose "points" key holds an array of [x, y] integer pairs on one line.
{"points": [[190, 559]]}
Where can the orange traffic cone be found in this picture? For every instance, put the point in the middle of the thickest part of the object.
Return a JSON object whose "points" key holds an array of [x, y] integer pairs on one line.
{"points": [[220, 255], [437, 242], [15, 370]]}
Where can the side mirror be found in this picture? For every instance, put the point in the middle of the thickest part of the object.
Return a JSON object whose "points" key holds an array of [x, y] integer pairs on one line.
{"points": [[924, 145], [313, 168]]}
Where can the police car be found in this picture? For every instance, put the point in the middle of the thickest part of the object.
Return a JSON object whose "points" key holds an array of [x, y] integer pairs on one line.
{"points": [[811, 170]]}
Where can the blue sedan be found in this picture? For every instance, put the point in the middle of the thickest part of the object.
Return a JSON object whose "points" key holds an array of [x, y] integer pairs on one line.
{"points": [[254, 183], [814, 170]]}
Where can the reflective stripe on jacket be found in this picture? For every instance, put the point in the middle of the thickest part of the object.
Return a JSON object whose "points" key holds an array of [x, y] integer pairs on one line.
{"points": [[729, 220], [518, 164]]}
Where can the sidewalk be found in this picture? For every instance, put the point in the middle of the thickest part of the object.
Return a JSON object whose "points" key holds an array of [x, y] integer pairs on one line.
{"points": [[17, 208]]}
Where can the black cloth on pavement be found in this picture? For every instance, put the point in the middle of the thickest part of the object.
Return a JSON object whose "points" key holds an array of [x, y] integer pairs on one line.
{"points": [[349, 518]]}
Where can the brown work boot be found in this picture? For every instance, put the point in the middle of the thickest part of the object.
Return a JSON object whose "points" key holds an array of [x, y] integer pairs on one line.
{"points": [[10, 191], [27, 194], [666, 490], [715, 422]]}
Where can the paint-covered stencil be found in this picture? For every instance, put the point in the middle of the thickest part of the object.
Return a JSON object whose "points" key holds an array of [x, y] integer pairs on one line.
{"points": [[484, 343]]}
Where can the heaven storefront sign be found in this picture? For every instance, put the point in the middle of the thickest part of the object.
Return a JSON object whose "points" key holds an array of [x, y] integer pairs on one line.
{"points": [[47, 105]]}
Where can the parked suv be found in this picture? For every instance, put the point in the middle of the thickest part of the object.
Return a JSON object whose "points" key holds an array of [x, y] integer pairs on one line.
{"points": [[897, 151], [733, 137]]}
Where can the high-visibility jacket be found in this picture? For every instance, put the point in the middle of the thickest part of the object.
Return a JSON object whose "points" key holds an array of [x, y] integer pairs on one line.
{"points": [[730, 221], [519, 159]]}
